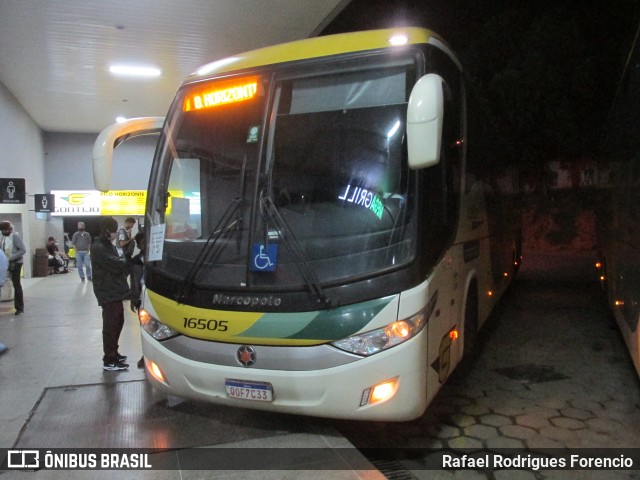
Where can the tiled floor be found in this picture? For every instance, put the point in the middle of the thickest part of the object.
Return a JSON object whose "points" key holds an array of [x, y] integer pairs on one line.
{"points": [[53, 389]]}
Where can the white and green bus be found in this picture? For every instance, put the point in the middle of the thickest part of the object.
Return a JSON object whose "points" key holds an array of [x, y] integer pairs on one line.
{"points": [[619, 215], [316, 242]]}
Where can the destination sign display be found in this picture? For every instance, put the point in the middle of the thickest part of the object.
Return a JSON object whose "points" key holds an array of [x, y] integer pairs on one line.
{"points": [[222, 94]]}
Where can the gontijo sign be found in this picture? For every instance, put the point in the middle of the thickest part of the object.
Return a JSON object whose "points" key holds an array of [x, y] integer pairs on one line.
{"points": [[93, 202]]}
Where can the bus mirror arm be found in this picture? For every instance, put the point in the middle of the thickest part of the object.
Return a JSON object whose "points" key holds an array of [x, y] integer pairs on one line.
{"points": [[110, 138], [425, 114]]}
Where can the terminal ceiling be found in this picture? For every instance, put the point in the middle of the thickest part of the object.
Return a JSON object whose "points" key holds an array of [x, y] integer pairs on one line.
{"points": [[55, 54]]}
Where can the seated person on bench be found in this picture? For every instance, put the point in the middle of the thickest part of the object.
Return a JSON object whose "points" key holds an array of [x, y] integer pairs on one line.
{"points": [[57, 259]]}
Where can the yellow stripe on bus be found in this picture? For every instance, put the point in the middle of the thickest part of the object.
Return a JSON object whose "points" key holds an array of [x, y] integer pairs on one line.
{"points": [[222, 325], [173, 314], [316, 47]]}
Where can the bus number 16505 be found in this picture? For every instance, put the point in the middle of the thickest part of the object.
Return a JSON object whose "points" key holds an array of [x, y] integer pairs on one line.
{"points": [[204, 324]]}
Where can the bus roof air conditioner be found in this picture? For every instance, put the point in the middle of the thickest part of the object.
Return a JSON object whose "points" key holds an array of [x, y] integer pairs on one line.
{"points": [[425, 115], [110, 138]]}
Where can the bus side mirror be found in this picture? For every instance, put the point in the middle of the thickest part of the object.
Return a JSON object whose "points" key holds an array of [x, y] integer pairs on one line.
{"points": [[425, 115], [110, 138]]}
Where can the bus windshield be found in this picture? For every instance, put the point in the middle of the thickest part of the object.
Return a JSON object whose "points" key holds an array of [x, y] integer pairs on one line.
{"points": [[277, 181]]}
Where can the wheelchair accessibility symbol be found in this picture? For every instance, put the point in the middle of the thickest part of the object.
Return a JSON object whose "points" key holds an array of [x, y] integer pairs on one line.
{"points": [[264, 257]]}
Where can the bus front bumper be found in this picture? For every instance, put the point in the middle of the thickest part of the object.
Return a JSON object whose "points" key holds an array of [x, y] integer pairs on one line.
{"points": [[336, 392]]}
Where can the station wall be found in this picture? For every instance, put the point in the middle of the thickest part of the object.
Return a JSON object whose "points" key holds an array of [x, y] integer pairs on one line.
{"points": [[21, 156], [57, 161]]}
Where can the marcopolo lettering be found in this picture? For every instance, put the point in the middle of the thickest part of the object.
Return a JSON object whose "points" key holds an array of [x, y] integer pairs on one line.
{"points": [[246, 300]]}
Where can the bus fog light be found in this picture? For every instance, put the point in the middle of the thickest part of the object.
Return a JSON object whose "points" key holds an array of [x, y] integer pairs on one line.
{"points": [[379, 393], [375, 341], [154, 327], [155, 371]]}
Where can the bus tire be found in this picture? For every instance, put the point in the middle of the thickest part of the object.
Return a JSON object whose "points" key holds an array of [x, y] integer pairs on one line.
{"points": [[470, 331]]}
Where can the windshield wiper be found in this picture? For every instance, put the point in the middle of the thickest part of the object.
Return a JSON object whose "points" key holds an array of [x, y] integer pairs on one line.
{"points": [[228, 220], [290, 241], [225, 224]]}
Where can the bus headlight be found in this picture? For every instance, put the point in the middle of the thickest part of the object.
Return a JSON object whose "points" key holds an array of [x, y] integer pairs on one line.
{"points": [[376, 341], [154, 327]]}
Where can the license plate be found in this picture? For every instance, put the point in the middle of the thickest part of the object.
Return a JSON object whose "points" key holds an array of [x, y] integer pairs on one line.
{"points": [[256, 391]]}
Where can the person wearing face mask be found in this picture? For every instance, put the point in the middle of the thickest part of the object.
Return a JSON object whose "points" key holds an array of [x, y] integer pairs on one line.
{"points": [[111, 289], [81, 241], [13, 247]]}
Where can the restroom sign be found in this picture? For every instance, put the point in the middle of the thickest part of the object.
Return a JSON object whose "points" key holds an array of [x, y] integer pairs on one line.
{"points": [[45, 203], [12, 190]]}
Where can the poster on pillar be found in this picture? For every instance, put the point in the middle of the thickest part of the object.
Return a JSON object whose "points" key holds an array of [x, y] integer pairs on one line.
{"points": [[12, 190]]}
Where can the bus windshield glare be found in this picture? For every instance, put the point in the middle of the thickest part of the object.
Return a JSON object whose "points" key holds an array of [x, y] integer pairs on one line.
{"points": [[263, 178]]}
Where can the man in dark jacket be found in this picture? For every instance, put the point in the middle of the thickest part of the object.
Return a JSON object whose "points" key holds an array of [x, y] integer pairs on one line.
{"points": [[110, 288]]}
